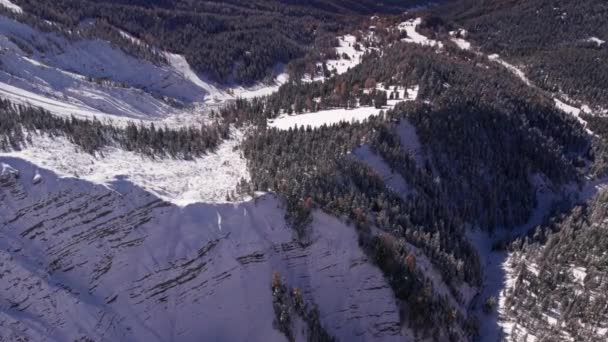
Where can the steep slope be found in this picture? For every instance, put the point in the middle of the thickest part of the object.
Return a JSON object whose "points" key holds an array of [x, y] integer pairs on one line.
{"points": [[83, 261], [557, 282]]}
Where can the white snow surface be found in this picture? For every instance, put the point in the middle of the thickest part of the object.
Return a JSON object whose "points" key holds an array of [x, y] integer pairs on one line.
{"points": [[596, 40], [461, 43], [325, 117], [336, 116], [11, 6], [93, 78], [206, 179], [413, 36], [81, 261], [576, 112], [346, 46], [393, 180]]}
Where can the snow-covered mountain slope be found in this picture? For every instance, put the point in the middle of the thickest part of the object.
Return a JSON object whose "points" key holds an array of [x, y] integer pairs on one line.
{"points": [[86, 78], [82, 261]]}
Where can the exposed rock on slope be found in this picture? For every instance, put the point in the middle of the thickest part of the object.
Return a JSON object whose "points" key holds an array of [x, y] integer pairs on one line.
{"points": [[86, 261]]}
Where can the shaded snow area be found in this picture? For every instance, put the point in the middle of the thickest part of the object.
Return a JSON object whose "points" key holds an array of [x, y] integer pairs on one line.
{"points": [[411, 143], [82, 262], [182, 182], [393, 180], [335, 116], [497, 272], [11, 6], [90, 78], [413, 36]]}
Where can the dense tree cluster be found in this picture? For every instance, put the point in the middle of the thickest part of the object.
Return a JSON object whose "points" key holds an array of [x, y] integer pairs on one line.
{"points": [[18, 123], [225, 40], [483, 137], [561, 281], [307, 165], [289, 304], [551, 39]]}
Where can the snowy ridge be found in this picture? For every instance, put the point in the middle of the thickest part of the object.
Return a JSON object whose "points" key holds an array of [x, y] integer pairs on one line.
{"points": [[132, 267]]}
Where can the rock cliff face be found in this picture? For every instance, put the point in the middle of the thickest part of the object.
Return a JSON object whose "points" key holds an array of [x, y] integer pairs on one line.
{"points": [[80, 261]]}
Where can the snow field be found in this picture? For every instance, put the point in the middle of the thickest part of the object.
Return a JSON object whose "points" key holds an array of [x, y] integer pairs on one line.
{"points": [[207, 179], [335, 116]]}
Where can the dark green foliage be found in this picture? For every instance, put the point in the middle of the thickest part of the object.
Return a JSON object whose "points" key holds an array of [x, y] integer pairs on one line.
{"points": [[229, 41], [549, 38], [288, 303], [570, 281], [18, 122]]}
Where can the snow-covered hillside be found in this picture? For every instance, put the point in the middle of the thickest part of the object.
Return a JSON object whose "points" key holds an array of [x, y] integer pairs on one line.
{"points": [[87, 78], [81, 261]]}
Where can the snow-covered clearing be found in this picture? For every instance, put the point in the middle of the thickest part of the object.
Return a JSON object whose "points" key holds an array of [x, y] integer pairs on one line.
{"points": [[11, 6], [335, 116], [413, 36], [208, 179], [324, 117], [348, 47], [458, 37], [461, 43]]}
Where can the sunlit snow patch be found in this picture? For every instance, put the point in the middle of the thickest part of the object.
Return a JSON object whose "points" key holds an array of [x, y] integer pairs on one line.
{"points": [[11, 6], [413, 36], [596, 40], [207, 179], [335, 116]]}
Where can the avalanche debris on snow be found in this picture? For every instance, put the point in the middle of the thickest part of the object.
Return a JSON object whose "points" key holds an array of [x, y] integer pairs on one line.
{"points": [[206, 179]]}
